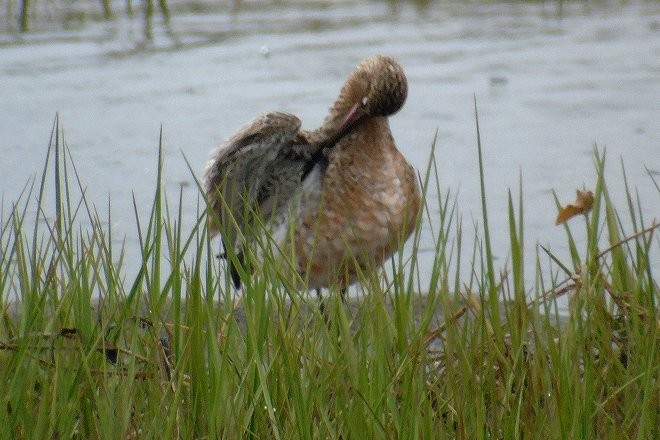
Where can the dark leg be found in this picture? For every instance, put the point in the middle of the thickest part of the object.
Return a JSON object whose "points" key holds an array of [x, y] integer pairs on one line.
{"points": [[342, 294], [222, 255], [321, 303], [235, 277], [322, 308]]}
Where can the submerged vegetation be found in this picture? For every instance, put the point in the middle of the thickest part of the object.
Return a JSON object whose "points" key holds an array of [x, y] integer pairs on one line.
{"points": [[87, 353], [22, 14], [78, 11]]}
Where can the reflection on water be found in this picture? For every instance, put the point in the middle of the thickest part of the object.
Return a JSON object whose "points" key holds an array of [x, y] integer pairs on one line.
{"points": [[548, 85]]}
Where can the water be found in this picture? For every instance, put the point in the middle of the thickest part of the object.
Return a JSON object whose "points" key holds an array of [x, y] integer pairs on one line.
{"points": [[548, 84]]}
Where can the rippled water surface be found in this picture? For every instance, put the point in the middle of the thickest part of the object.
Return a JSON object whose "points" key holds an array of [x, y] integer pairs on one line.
{"points": [[549, 84]]}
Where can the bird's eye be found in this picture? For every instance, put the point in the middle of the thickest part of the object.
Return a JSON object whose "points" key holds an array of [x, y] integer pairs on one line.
{"points": [[365, 100]]}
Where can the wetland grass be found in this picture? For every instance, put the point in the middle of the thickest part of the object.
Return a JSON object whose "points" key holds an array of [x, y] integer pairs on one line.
{"points": [[87, 353]]}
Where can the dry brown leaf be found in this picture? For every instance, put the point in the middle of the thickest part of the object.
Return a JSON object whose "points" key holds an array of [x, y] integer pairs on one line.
{"points": [[584, 201]]}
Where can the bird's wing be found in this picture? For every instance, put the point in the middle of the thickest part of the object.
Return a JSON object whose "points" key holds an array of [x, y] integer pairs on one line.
{"points": [[253, 172]]}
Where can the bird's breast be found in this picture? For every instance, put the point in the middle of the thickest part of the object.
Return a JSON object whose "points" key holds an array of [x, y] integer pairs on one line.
{"points": [[364, 206]]}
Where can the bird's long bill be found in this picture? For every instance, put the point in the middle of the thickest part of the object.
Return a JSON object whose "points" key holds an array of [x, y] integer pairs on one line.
{"points": [[352, 117]]}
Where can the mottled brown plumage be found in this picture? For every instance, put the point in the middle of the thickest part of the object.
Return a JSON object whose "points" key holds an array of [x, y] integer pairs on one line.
{"points": [[350, 195]]}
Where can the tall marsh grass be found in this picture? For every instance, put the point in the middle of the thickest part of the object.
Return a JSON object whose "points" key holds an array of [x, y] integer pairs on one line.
{"points": [[86, 352]]}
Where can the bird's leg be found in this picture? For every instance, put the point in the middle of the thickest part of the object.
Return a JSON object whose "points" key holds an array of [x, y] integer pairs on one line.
{"points": [[322, 305], [342, 295], [222, 255], [320, 297], [322, 308]]}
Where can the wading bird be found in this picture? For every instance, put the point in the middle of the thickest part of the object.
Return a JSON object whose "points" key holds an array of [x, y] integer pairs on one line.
{"points": [[342, 196]]}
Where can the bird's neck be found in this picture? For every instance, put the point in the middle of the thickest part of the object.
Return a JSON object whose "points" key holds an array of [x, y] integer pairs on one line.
{"points": [[350, 94], [367, 141]]}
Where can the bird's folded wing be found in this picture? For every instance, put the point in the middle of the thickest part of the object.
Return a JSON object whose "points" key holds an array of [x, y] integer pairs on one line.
{"points": [[240, 173]]}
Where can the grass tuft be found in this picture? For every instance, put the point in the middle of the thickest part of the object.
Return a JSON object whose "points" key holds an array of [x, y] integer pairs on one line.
{"points": [[87, 353]]}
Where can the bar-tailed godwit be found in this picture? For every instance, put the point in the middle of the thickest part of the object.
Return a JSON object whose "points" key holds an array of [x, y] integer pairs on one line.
{"points": [[349, 196]]}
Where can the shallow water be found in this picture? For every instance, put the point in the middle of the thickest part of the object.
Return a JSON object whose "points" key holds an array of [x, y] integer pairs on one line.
{"points": [[548, 84]]}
